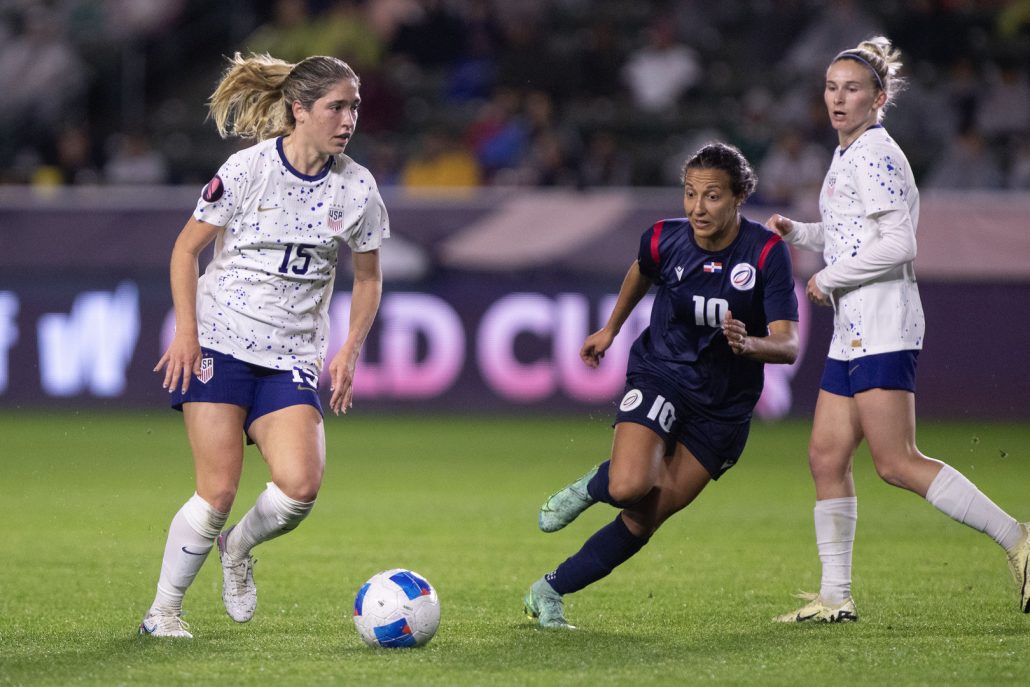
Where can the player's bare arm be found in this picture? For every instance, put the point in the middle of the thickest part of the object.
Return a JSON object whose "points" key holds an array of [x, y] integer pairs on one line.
{"points": [[365, 296], [634, 287], [182, 359], [781, 345]]}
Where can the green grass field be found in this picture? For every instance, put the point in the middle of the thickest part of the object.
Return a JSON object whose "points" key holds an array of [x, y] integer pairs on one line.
{"points": [[86, 499]]}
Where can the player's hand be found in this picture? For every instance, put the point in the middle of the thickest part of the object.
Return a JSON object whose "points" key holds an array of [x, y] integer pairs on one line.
{"points": [[341, 380], [780, 224], [180, 362], [736, 334], [815, 294], [594, 347]]}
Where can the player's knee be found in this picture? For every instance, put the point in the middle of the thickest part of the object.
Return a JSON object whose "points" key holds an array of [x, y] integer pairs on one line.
{"points": [[205, 518], [218, 496], [827, 466], [627, 490], [301, 488]]}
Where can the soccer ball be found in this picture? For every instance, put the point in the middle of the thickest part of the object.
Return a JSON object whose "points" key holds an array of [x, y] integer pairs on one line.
{"points": [[396, 608]]}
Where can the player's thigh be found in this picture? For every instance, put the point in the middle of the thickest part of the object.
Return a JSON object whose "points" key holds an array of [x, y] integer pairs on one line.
{"points": [[215, 432], [292, 442], [889, 419], [636, 462]]}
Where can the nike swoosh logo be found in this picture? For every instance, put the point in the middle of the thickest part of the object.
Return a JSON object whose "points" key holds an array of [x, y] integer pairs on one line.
{"points": [[851, 370], [301, 387], [803, 618], [194, 553], [261, 209]]}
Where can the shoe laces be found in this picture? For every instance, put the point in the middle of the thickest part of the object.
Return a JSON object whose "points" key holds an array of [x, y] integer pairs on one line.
{"points": [[169, 622], [241, 572]]}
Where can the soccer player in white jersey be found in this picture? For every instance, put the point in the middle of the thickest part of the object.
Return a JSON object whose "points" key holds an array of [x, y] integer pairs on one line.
{"points": [[252, 333], [869, 207]]}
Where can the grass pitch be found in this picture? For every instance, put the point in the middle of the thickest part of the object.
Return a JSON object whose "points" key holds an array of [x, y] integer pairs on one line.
{"points": [[86, 499]]}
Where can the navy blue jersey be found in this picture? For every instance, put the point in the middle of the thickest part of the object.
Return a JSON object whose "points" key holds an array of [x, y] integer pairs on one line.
{"points": [[751, 277]]}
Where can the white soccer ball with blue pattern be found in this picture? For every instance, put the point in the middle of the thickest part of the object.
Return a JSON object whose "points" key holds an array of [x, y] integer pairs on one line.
{"points": [[395, 609]]}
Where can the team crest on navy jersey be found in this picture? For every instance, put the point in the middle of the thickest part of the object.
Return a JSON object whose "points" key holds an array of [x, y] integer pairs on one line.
{"points": [[335, 219], [743, 277], [631, 400], [214, 189], [207, 370]]}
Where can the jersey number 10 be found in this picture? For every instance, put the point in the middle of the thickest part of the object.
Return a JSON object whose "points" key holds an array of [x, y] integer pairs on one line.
{"points": [[709, 311]]}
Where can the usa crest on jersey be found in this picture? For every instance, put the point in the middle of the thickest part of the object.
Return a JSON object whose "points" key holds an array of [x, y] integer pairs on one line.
{"points": [[335, 219]]}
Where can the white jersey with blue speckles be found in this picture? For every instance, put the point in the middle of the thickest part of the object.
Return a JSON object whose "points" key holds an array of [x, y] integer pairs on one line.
{"points": [[264, 297], [869, 206]]}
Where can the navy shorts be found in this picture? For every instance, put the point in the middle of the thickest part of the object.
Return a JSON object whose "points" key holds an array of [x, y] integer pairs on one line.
{"points": [[261, 390], [894, 370], [656, 404]]}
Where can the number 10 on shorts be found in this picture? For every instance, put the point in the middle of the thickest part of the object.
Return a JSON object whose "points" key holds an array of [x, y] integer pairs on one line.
{"points": [[663, 412]]}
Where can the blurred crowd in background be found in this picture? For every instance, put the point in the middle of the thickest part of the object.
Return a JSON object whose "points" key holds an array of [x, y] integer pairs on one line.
{"points": [[535, 93]]}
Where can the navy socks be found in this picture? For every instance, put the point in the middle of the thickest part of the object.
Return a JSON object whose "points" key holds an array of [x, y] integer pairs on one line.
{"points": [[608, 548]]}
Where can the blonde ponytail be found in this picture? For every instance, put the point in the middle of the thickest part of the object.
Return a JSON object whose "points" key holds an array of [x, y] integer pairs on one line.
{"points": [[248, 101]]}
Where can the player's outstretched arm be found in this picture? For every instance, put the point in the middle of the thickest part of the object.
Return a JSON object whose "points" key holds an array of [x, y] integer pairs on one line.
{"points": [[366, 293]]}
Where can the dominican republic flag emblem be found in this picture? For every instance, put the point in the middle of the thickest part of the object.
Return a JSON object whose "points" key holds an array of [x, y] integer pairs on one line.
{"points": [[713, 267], [207, 370], [335, 220]]}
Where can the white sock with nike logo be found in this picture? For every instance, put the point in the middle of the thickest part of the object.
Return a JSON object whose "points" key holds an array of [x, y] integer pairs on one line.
{"points": [[190, 538], [835, 522]]}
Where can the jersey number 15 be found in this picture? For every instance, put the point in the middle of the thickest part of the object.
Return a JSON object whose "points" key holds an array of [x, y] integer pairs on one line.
{"points": [[303, 253]]}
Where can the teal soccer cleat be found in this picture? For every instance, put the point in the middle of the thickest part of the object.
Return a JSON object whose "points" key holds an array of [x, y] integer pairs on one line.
{"points": [[565, 505], [544, 604]]}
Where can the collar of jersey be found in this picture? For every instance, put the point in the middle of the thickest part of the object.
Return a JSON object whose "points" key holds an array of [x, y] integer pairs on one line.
{"points": [[304, 177], [874, 126]]}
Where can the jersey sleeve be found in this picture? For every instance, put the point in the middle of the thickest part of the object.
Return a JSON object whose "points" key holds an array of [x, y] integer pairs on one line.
{"points": [[780, 302], [374, 223], [649, 256], [222, 196], [807, 235]]}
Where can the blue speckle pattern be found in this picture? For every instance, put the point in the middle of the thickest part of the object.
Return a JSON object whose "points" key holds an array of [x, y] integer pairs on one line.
{"points": [[877, 305], [264, 296]]}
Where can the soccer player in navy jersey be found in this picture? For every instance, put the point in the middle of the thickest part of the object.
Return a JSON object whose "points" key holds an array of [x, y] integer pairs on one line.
{"points": [[252, 333], [869, 205], [724, 306]]}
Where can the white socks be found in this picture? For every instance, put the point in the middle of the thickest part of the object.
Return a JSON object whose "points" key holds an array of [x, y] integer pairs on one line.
{"points": [[273, 514], [950, 492], [190, 538], [957, 497], [835, 521]]}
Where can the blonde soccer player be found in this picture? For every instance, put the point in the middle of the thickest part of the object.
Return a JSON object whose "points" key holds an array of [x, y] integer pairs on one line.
{"points": [[252, 333]]}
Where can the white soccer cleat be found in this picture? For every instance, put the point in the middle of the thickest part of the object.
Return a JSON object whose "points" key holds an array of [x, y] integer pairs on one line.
{"points": [[1019, 564], [239, 593], [566, 504], [818, 611], [158, 623]]}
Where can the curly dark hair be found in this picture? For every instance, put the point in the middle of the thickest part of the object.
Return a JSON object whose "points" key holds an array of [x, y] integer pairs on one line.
{"points": [[743, 180]]}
